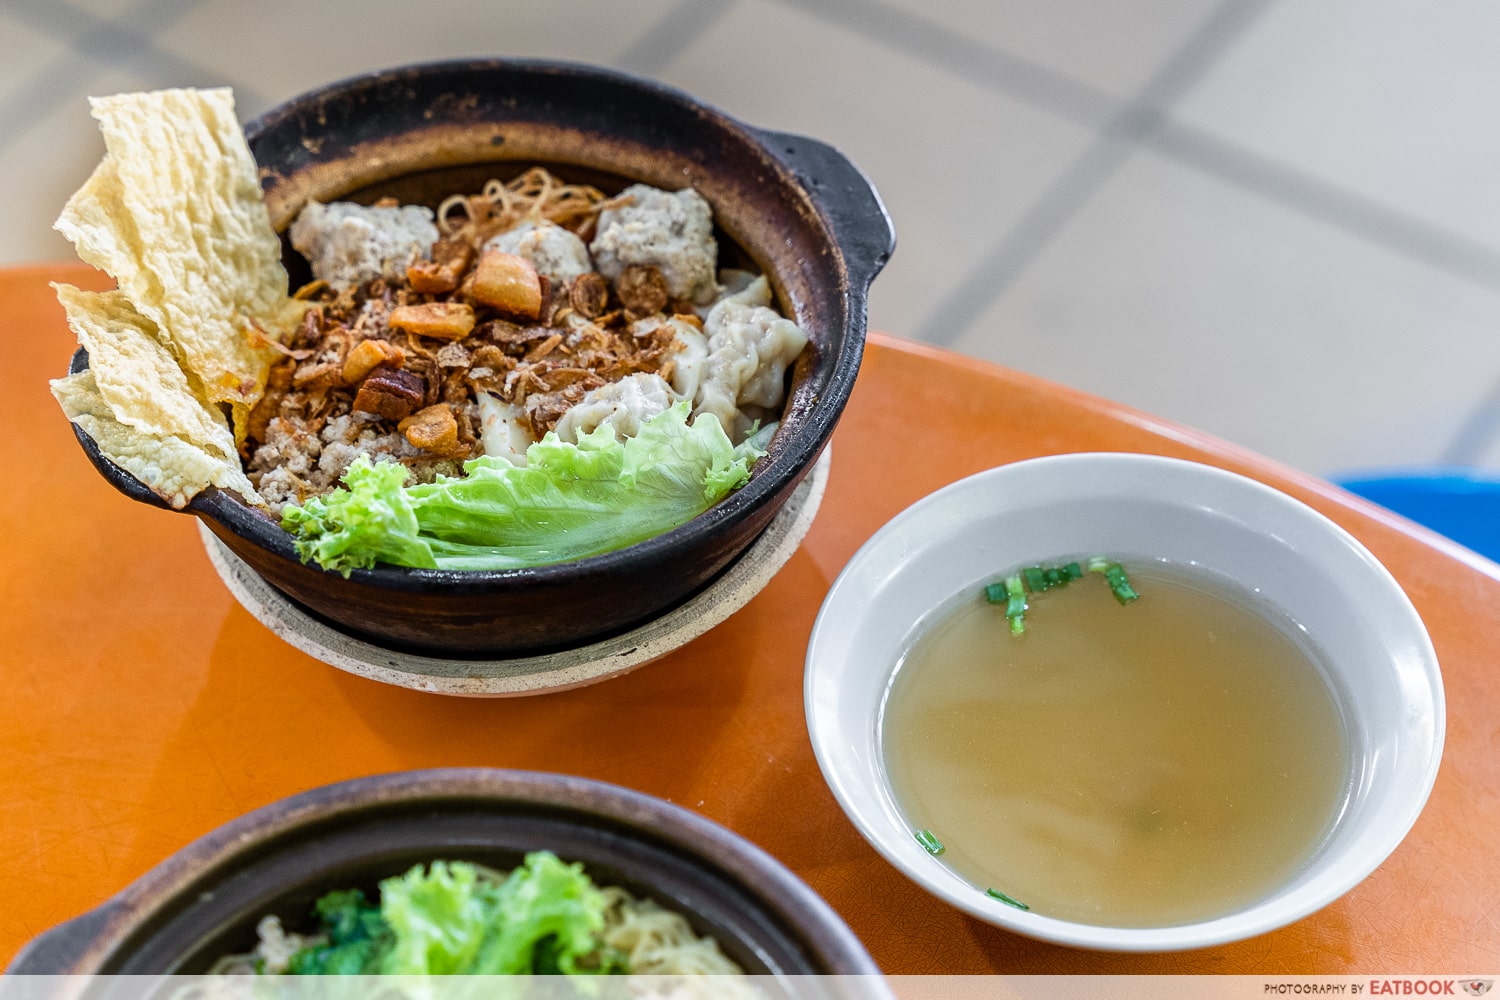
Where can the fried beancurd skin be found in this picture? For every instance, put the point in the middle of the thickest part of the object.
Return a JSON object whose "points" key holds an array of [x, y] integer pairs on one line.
{"points": [[174, 214]]}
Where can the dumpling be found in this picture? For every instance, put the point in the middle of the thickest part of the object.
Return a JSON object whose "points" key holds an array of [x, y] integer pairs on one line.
{"points": [[349, 244], [749, 349], [621, 406], [686, 358], [671, 231], [744, 288], [555, 252], [503, 430]]}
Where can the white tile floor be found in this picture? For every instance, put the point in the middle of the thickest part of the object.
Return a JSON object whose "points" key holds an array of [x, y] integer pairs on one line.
{"points": [[1278, 222]]}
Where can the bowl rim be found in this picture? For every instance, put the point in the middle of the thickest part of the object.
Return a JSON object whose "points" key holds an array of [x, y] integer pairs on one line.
{"points": [[1251, 920]]}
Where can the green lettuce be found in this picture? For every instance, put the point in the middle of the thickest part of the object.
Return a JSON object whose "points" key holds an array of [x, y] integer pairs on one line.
{"points": [[568, 502], [544, 918]]}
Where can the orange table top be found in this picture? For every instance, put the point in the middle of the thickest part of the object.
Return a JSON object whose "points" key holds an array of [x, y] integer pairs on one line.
{"points": [[142, 706]]}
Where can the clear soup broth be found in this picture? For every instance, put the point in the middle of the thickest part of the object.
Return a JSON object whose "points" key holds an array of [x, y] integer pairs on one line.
{"points": [[1139, 765]]}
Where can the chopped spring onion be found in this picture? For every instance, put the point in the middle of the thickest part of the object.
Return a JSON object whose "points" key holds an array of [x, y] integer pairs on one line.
{"points": [[1015, 606], [932, 845], [1121, 587], [1007, 900], [1114, 574], [1013, 589]]}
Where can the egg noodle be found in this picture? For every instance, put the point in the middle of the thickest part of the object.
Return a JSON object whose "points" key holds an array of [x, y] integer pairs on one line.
{"points": [[658, 941], [534, 195]]}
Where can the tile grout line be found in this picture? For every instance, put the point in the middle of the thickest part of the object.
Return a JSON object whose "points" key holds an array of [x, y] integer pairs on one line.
{"points": [[967, 58], [44, 90], [1195, 148], [672, 33], [1005, 261], [1380, 225], [1122, 135], [985, 65], [91, 41], [1476, 434], [1350, 213], [1361, 218], [1336, 206], [69, 23]]}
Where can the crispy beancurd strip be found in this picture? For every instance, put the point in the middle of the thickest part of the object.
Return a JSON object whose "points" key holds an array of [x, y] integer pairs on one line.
{"points": [[174, 214], [440, 320]]}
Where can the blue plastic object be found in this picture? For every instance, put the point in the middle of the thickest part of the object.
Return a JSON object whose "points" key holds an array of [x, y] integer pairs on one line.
{"points": [[1461, 503]]}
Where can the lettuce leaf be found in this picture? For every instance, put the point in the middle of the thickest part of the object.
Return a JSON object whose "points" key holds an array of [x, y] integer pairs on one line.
{"points": [[545, 917], [438, 917], [549, 917], [568, 502]]}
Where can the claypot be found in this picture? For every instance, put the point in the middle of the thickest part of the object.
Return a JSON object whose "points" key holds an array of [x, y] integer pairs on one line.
{"points": [[790, 206], [204, 901]]}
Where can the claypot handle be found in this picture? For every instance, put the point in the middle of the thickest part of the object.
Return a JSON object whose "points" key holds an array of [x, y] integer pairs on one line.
{"points": [[59, 950], [861, 224]]}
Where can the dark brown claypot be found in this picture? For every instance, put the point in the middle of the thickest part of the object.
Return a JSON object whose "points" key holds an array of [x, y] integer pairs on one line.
{"points": [[792, 206], [204, 901]]}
